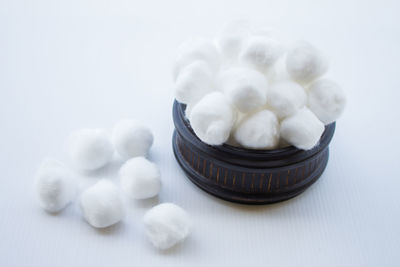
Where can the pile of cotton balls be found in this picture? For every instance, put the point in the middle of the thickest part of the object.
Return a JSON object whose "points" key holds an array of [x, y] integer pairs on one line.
{"points": [[102, 204], [248, 89]]}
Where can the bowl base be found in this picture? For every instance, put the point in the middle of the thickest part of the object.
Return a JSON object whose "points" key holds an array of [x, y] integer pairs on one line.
{"points": [[249, 196]]}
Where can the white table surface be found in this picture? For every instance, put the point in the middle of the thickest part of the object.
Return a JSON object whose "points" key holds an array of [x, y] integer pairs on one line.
{"points": [[65, 65]]}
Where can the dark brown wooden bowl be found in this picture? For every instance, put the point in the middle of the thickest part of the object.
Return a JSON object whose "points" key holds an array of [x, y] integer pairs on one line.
{"points": [[244, 175]]}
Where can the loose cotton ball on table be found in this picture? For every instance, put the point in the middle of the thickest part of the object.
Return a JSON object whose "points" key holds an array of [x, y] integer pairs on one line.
{"points": [[55, 185], [212, 118], [101, 204], [131, 138], [140, 178], [166, 225], [302, 129], [90, 149], [327, 100]]}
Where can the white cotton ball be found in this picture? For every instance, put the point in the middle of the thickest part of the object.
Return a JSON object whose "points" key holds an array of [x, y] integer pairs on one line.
{"points": [[212, 119], [231, 38], [131, 138], [285, 98], [166, 225], [327, 100], [302, 129], [258, 131], [55, 185], [305, 63], [188, 110], [261, 52], [194, 82], [90, 149], [140, 178], [101, 204], [196, 49], [246, 88]]}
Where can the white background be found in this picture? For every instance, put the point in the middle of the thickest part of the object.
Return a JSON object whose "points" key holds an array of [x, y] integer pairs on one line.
{"points": [[65, 65]]}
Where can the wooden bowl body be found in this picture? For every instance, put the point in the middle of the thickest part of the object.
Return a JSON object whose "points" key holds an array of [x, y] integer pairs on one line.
{"points": [[243, 175]]}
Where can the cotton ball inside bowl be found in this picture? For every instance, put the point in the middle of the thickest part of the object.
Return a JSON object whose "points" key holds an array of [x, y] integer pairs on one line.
{"points": [[302, 129], [101, 204], [261, 52], [285, 98], [305, 63], [258, 131], [327, 100], [194, 82], [55, 185], [166, 225], [212, 118], [231, 38], [140, 178], [90, 149], [246, 88], [193, 50], [131, 138]]}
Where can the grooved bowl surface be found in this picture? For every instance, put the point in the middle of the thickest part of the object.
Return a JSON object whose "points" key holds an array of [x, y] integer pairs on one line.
{"points": [[244, 175]]}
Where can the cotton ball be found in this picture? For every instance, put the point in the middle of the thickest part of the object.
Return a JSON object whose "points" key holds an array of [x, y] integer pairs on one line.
{"points": [[231, 38], [90, 149], [305, 63], [131, 138], [285, 97], [55, 185], [140, 178], [188, 110], [101, 204], [196, 49], [302, 129], [261, 52], [166, 225], [212, 119], [258, 131], [246, 88], [327, 100], [194, 82]]}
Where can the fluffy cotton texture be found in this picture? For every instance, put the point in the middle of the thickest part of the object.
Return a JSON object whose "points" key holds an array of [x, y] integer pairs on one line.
{"points": [[131, 138], [302, 129], [166, 225], [326, 100], [212, 118], [140, 178], [305, 63], [258, 131], [196, 49], [194, 82], [102, 205], [231, 39], [246, 88], [55, 185], [90, 149], [285, 98], [261, 52]]}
